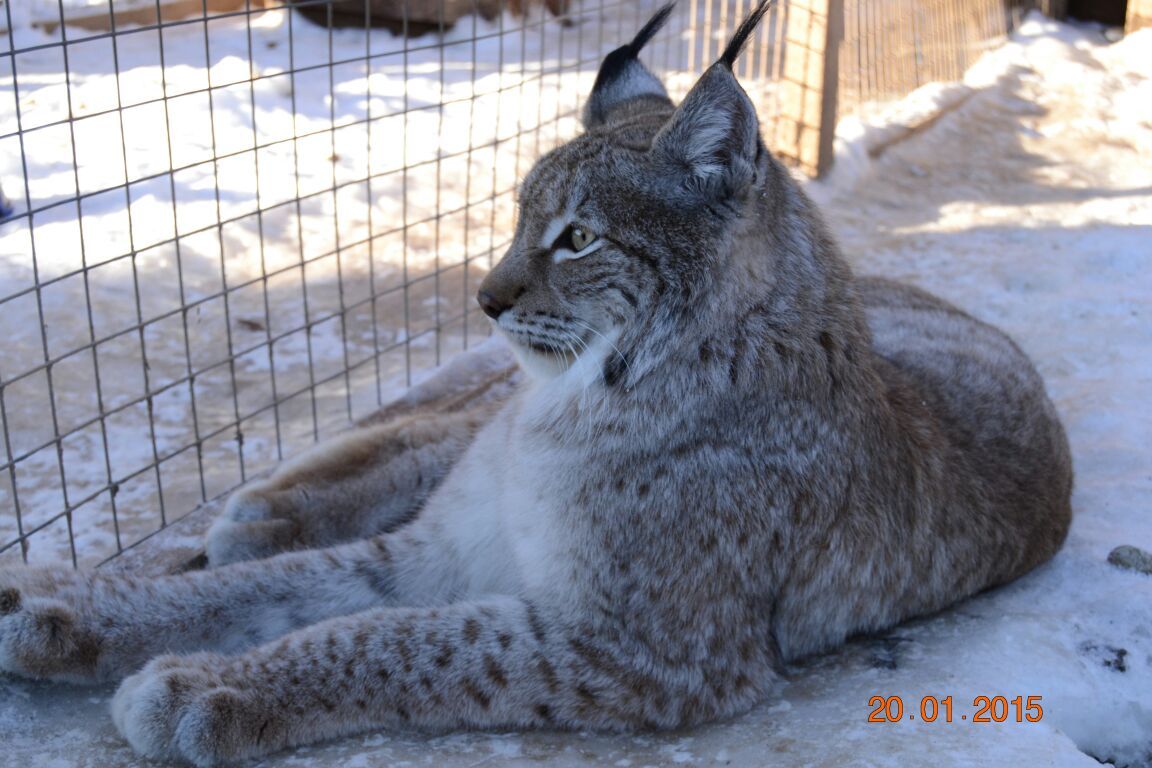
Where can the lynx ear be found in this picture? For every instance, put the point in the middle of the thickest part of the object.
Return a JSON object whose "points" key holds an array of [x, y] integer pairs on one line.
{"points": [[623, 81], [714, 135]]}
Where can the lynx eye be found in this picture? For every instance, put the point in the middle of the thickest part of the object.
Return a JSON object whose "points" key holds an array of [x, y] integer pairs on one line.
{"points": [[580, 238], [574, 242]]}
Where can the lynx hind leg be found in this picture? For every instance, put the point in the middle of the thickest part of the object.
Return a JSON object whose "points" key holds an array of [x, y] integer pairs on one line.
{"points": [[362, 483], [991, 405]]}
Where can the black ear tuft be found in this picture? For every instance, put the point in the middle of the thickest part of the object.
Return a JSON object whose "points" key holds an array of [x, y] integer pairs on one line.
{"points": [[713, 138], [740, 39], [622, 79], [649, 30]]}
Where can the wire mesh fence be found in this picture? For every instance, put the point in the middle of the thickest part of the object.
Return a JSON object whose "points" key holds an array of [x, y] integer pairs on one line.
{"points": [[892, 47], [238, 228]]}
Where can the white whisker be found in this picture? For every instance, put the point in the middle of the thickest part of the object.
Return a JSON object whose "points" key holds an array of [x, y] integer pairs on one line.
{"points": [[608, 341]]}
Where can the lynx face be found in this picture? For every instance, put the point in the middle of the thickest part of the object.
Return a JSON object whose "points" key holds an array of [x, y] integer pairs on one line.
{"points": [[585, 263], [621, 229]]}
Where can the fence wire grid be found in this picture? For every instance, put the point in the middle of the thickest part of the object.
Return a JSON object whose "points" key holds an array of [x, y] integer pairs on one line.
{"points": [[235, 230]]}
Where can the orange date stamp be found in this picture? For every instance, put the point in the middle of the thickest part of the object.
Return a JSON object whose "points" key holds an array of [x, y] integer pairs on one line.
{"points": [[930, 709]]}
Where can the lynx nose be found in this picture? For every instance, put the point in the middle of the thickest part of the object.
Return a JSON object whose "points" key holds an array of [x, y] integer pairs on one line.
{"points": [[490, 304]]}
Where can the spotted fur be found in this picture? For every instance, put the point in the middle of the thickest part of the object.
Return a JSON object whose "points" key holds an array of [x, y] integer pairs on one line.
{"points": [[728, 453]]}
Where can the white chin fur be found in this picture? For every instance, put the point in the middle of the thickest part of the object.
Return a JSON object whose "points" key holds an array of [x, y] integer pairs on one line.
{"points": [[539, 365], [579, 372]]}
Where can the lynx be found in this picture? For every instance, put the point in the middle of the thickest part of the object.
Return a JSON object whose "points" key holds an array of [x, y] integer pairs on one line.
{"points": [[726, 453]]}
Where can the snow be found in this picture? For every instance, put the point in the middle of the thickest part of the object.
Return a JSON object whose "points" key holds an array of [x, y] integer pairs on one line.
{"points": [[1023, 195]]}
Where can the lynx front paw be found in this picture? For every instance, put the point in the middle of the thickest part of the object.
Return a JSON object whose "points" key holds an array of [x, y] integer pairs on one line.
{"points": [[252, 527], [41, 634], [179, 708]]}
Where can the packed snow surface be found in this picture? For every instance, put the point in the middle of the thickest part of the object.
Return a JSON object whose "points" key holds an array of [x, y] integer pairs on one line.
{"points": [[1028, 202]]}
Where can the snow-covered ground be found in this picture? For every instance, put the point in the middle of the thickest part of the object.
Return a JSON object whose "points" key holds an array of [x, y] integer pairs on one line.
{"points": [[1028, 202]]}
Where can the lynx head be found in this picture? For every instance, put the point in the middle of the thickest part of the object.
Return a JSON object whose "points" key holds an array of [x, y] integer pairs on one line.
{"points": [[624, 232]]}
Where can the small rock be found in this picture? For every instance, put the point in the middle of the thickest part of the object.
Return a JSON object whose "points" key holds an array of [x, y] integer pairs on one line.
{"points": [[1132, 558]]}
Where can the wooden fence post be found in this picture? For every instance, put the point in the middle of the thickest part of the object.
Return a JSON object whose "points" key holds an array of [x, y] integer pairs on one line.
{"points": [[808, 88], [1139, 15]]}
